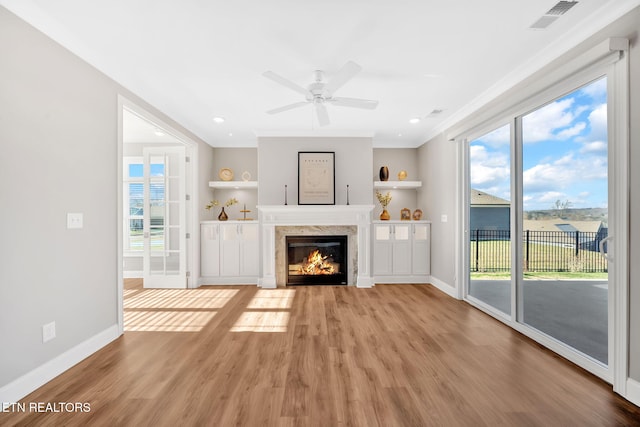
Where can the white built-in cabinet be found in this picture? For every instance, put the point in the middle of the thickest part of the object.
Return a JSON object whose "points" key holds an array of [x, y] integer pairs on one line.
{"points": [[229, 252], [401, 251]]}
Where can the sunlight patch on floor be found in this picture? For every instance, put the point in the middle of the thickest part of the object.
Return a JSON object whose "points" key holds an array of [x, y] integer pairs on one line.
{"points": [[128, 292], [181, 298], [167, 321], [262, 321], [272, 299]]}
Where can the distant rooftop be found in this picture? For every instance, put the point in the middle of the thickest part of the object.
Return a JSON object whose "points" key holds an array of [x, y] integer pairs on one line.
{"points": [[480, 198], [559, 224]]}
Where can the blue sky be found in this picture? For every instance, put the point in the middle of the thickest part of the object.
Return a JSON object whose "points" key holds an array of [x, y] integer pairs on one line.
{"points": [[564, 153]]}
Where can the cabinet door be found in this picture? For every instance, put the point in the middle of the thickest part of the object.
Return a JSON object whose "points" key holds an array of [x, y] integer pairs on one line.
{"points": [[402, 249], [230, 249], [209, 250], [421, 249], [382, 250], [249, 250]]}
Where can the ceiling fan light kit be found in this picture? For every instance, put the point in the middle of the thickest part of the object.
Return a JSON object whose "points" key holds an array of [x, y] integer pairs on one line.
{"points": [[320, 93]]}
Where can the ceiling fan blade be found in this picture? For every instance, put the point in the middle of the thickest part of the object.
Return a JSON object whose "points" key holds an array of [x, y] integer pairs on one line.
{"points": [[346, 73], [287, 107], [323, 115], [367, 104], [286, 82]]}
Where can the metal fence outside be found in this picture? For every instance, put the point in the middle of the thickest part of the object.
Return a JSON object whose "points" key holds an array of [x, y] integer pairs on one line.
{"points": [[543, 251]]}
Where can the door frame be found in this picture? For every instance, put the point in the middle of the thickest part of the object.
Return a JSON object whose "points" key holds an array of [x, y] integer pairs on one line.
{"points": [[193, 243]]}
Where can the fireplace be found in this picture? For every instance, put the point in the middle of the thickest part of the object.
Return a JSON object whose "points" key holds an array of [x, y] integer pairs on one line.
{"points": [[316, 260]]}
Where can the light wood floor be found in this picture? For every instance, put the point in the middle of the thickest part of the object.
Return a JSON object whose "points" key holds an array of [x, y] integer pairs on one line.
{"points": [[394, 355]]}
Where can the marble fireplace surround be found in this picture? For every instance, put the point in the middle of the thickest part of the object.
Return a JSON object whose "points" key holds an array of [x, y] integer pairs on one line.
{"points": [[276, 222]]}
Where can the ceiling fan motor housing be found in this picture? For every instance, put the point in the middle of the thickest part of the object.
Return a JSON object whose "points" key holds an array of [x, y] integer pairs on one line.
{"points": [[317, 90]]}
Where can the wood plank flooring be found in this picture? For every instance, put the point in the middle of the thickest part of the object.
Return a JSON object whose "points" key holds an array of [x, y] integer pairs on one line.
{"points": [[394, 355]]}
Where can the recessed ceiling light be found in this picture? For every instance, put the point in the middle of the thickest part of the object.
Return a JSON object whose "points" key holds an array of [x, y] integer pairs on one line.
{"points": [[435, 112], [218, 119], [399, 134], [158, 132], [230, 134], [414, 120]]}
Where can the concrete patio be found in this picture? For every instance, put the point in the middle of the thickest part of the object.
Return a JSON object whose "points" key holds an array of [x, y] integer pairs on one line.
{"points": [[571, 311]]}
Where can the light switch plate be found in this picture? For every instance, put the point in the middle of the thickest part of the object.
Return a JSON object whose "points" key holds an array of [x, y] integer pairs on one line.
{"points": [[48, 332], [75, 220], [443, 218]]}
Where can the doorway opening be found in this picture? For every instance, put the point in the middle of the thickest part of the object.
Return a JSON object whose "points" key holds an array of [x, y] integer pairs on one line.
{"points": [[156, 214]]}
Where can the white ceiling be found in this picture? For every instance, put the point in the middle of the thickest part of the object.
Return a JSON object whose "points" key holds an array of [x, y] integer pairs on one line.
{"points": [[197, 59]]}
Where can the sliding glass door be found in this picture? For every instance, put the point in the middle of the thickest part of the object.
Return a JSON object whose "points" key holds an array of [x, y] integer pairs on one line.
{"points": [[564, 282], [538, 218]]}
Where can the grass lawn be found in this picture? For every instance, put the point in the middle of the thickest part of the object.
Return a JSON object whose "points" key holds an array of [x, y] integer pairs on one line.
{"points": [[543, 275], [492, 259]]}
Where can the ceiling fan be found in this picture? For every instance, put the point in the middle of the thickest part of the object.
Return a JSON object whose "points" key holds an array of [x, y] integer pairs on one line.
{"points": [[320, 93]]}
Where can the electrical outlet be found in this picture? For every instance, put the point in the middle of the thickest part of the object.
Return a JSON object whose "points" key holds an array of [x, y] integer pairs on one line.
{"points": [[48, 332], [75, 220]]}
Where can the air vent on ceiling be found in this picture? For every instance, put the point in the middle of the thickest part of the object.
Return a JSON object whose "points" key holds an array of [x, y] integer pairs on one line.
{"points": [[561, 8], [435, 112], [552, 14]]}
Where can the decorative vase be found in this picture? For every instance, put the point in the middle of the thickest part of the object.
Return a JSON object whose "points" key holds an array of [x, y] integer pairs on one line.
{"points": [[384, 215], [384, 173], [223, 215]]}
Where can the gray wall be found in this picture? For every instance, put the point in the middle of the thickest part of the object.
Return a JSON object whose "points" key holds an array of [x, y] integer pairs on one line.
{"points": [[278, 165], [58, 133], [397, 159], [437, 160], [437, 197]]}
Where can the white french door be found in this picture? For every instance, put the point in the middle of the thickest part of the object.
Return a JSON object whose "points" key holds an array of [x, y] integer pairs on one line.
{"points": [[164, 231]]}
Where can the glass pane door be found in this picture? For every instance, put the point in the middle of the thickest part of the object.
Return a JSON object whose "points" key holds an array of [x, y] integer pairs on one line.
{"points": [[565, 217], [490, 219], [164, 230]]}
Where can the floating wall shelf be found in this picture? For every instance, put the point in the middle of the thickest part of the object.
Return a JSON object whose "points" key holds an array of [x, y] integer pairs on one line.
{"points": [[390, 185], [233, 184]]}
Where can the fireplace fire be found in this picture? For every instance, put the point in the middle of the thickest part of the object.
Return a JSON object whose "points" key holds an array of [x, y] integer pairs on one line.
{"points": [[317, 260]]}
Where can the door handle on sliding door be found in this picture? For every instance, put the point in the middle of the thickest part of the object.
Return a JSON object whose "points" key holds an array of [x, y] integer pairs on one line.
{"points": [[601, 248]]}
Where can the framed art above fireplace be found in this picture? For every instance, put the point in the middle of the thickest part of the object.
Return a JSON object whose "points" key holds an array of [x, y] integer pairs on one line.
{"points": [[316, 178]]}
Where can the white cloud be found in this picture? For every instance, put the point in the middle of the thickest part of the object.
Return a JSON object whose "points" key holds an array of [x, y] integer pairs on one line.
{"points": [[551, 197], [541, 124], [597, 89], [598, 123], [488, 169], [572, 131], [597, 147], [498, 137], [563, 173]]}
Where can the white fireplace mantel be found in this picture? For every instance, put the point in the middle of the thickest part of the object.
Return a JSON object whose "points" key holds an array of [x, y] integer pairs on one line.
{"points": [[272, 216]]}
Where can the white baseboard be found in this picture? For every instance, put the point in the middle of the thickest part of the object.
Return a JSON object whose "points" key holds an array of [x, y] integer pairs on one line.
{"points": [[132, 274], [633, 391], [364, 282], [444, 287], [31, 381], [228, 280], [409, 279]]}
